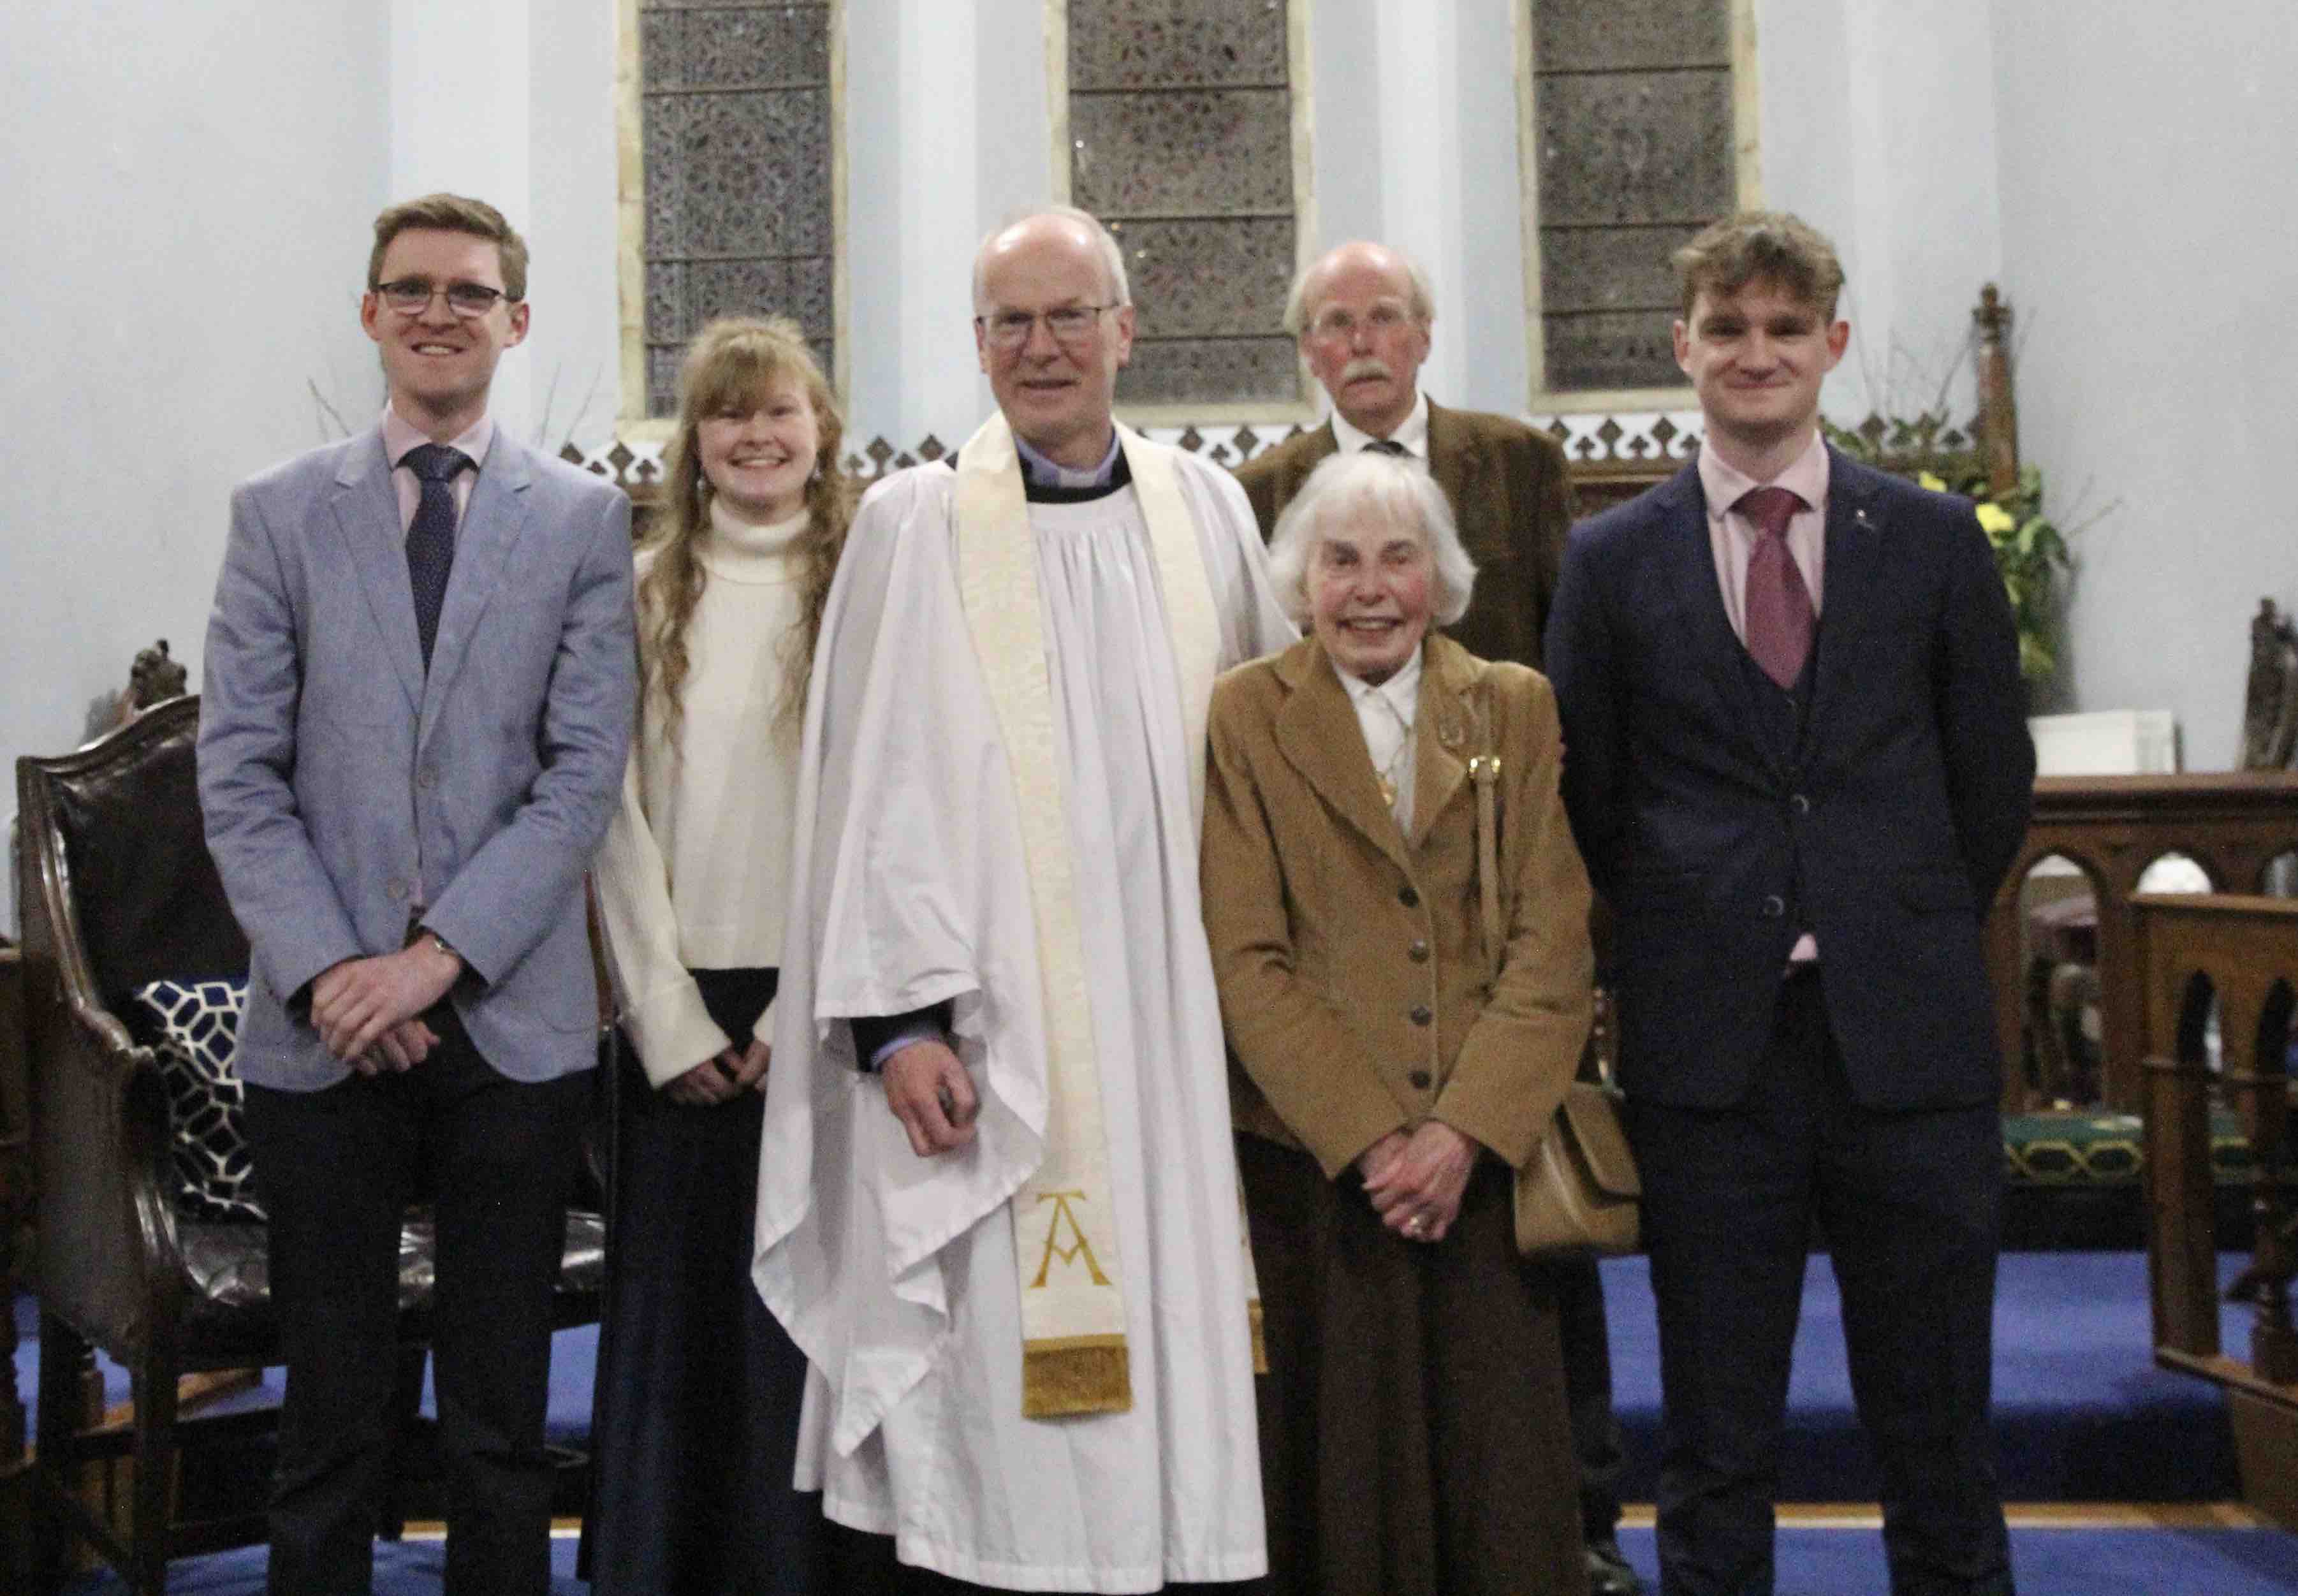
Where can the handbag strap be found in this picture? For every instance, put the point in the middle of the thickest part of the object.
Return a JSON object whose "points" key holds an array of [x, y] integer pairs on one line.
{"points": [[1484, 772]]}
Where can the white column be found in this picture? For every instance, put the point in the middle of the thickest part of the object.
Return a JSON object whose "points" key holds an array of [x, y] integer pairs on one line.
{"points": [[1419, 47], [937, 192], [459, 122]]}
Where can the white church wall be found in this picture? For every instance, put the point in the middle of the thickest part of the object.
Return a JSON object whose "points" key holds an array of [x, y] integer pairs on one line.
{"points": [[1879, 127], [1975, 140], [189, 190], [2147, 192]]}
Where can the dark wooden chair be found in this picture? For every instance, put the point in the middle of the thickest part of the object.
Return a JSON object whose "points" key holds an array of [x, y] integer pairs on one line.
{"points": [[118, 889]]}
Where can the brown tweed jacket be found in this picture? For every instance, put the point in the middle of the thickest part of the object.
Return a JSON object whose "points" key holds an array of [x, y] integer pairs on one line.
{"points": [[1510, 492], [1350, 957]]}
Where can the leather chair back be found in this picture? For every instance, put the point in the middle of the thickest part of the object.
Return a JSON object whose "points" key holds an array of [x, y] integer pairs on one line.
{"points": [[125, 814]]}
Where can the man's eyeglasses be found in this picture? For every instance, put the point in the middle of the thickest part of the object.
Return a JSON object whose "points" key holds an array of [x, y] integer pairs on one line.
{"points": [[411, 296], [1070, 324], [1385, 316]]}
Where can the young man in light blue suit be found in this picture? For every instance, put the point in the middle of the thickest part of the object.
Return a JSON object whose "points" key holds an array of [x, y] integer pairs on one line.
{"points": [[420, 686]]}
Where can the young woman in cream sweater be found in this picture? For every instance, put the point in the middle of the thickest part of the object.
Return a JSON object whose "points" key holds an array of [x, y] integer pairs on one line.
{"points": [[699, 1387]]}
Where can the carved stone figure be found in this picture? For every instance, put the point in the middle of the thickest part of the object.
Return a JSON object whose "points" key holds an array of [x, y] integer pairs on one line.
{"points": [[155, 677], [2269, 721]]}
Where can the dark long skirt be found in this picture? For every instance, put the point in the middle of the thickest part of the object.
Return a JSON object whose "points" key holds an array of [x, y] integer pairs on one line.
{"points": [[1415, 1439], [698, 1388]]}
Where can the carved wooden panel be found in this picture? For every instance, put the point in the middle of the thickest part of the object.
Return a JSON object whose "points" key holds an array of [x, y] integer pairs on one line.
{"points": [[1181, 139]]}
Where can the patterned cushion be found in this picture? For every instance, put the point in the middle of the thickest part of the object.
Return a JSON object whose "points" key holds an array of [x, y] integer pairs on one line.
{"points": [[197, 1032]]}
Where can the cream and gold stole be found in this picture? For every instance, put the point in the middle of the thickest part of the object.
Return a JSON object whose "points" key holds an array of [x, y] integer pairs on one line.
{"points": [[1072, 1283]]}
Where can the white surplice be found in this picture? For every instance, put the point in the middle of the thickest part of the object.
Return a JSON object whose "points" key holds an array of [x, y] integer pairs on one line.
{"points": [[897, 1274]]}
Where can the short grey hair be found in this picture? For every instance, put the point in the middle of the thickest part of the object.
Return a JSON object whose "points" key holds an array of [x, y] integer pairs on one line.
{"points": [[1419, 299], [1112, 257], [1395, 488]]}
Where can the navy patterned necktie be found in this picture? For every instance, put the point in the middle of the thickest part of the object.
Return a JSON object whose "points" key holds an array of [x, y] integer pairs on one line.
{"points": [[431, 536], [1778, 605]]}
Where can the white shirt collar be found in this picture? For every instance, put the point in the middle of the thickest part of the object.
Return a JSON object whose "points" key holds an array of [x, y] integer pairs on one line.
{"points": [[1412, 431], [400, 434], [1402, 690]]}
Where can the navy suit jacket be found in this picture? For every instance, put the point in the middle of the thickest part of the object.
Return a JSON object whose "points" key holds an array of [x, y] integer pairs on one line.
{"points": [[1886, 833], [345, 788]]}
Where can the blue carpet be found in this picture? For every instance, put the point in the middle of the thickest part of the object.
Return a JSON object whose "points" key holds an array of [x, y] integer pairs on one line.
{"points": [[2044, 1562], [1812, 1562], [2081, 1412], [406, 1568]]}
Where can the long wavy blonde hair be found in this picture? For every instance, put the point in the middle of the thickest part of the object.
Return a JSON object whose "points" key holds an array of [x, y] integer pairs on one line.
{"points": [[731, 368]]}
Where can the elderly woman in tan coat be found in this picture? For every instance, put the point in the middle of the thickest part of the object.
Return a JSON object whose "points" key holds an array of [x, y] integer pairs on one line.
{"points": [[1413, 1429]]}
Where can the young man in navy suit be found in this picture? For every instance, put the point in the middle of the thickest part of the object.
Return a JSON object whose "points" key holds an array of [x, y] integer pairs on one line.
{"points": [[420, 686], [1800, 768]]}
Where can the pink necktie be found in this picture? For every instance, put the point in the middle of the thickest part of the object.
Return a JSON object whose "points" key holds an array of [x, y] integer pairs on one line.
{"points": [[1778, 605]]}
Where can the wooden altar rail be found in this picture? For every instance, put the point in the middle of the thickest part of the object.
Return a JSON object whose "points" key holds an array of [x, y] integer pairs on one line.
{"points": [[2233, 824], [2243, 952]]}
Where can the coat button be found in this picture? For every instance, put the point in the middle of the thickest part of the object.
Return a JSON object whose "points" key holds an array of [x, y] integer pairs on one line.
{"points": [[1774, 906], [1420, 1014], [397, 888], [1799, 804], [1420, 1078], [1418, 952], [427, 778], [1407, 898]]}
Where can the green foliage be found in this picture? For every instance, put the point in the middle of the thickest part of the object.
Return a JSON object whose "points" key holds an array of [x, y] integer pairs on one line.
{"points": [[2030, 553]]}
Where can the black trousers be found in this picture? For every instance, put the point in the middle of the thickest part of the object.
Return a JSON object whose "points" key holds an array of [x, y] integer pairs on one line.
{"points": [[1595, 1444], [1908, 1203], [337, 1169]]}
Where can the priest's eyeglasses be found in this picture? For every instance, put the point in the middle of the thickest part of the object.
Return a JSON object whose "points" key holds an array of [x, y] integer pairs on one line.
{"points": [[411, 296], [1069, 324]]}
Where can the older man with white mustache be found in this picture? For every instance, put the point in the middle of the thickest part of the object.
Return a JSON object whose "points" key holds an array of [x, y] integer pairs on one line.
{"points": [[1361, 313]]}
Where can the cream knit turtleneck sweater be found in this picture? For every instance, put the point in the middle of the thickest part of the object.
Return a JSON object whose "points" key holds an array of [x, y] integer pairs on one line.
{"points": [[693, 873]]}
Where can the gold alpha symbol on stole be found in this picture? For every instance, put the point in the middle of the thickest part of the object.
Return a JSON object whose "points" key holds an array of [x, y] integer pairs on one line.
{"points": [[1069, 1254]]}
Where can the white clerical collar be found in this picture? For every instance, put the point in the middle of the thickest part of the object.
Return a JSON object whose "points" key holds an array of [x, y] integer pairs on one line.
{"points": [[1411, 432], [1045, 473], [1402, 690]]}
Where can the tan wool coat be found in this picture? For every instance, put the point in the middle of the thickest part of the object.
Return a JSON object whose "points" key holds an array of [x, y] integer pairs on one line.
{"points": [[1350, 957]]}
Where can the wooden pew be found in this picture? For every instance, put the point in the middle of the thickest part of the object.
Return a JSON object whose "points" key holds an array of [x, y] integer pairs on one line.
{"points": [[2232, 822], [2243, 952]]}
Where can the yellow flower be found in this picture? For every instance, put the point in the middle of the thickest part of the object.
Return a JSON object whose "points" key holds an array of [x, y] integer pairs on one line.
{"points": [[1928, 479], [1995, 520]]}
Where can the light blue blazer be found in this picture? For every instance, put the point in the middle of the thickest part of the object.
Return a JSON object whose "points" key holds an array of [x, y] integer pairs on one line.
{"points": [[343, 791]]}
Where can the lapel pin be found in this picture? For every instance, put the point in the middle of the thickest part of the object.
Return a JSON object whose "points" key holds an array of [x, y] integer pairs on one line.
{"points": [[1448, 732]]}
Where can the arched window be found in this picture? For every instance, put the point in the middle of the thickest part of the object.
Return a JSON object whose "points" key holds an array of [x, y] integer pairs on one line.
{"points": [[730, 203], [1176, 123], [1639, 128]]}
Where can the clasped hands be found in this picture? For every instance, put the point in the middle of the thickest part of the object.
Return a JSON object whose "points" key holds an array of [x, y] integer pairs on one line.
{"points": [[720, 1077], [368, 1011], [1415, 1178]]}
